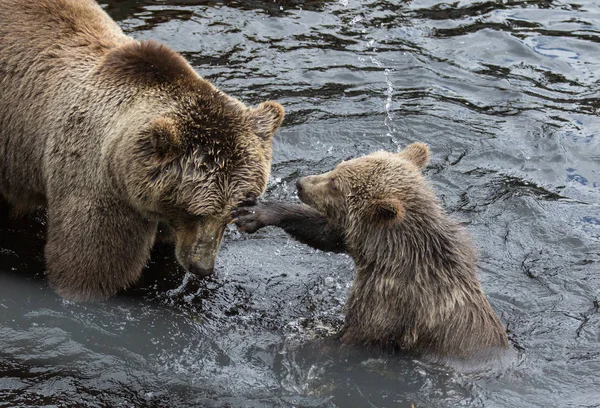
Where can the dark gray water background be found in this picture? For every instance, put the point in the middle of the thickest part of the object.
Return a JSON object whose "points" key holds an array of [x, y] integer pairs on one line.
{"points": [[506, 94]]}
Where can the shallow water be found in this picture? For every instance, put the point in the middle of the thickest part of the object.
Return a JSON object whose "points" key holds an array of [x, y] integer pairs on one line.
{"points": [[506, 94]]}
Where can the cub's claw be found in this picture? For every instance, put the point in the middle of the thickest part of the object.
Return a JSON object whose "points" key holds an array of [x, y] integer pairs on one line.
{"points": [[250, 200], [249, 219]]}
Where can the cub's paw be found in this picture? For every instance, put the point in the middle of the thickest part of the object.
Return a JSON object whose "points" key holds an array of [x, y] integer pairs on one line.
{"points": [[251, 218], [249, 200]]}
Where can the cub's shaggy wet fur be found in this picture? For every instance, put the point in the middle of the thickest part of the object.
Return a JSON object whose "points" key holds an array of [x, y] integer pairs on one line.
{"points": [[416, 287], [113, 136]]}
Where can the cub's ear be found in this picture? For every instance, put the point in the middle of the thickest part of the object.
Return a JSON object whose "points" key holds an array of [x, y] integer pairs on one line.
{"points": [[418, 153], [166, 139], [267, 118], [386, 210]]}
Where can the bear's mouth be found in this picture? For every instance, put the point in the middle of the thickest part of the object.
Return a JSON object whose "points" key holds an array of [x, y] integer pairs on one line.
{"points": [[305, 198], [308, 193]]}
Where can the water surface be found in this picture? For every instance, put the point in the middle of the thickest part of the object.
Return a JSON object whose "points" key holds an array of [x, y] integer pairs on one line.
{"points": [[506, 94]]}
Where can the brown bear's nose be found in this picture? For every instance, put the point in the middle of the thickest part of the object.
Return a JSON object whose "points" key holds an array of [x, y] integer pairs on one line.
{"points": [[299, 185], [199, 271]]}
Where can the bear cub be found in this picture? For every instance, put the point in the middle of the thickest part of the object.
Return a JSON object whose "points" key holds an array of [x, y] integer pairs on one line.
{"points": [[416, 288]]}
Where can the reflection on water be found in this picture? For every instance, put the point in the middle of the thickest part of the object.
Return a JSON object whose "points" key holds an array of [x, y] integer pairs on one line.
{"points": [[507, 96]]}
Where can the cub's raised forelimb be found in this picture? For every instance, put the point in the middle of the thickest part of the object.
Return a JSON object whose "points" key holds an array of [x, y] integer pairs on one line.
{"points": [[302, 222]]}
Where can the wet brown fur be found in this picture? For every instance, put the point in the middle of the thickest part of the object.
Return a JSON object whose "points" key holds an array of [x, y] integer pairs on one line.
{"points": [[113, 136], [416, 287], [147, 63]]}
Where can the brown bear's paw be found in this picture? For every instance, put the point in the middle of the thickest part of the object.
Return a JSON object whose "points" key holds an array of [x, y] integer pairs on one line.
{"points": [[251, 218]]}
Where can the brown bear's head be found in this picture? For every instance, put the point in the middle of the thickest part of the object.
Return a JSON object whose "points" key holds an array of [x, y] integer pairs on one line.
{"points": [[191, 165], [375, 190]]}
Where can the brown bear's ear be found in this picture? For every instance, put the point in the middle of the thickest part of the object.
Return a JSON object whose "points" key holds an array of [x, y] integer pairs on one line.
{"points": [[166, 139], [386, 210], [418, 153], [267, 118]]}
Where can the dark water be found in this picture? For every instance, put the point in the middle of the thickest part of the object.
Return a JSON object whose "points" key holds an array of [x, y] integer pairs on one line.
{"points": [[507, 95]]}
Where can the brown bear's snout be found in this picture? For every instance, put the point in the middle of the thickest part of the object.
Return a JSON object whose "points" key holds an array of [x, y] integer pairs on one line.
{"points": [[197, 245], [299, 185], [201, 270], [310, 187]]}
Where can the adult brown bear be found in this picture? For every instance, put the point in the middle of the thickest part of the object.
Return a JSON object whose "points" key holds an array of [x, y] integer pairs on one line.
{"points": [[114, 135]]}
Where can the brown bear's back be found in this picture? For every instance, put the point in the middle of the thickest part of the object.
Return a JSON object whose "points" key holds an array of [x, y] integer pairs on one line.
{"points": [[48, 48]]}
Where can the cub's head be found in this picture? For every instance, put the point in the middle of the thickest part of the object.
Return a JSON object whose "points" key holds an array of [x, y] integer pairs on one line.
{"points": [[192, 165], [374, 190]]}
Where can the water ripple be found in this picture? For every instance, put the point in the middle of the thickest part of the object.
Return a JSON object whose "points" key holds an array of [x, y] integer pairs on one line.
{"points": [[506, 94]]}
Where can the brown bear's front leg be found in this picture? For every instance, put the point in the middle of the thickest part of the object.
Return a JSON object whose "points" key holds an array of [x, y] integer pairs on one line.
{"points": [[95, 249], [302, 222]]}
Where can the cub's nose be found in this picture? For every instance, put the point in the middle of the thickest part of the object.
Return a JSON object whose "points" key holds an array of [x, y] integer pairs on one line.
{"points": [[200, 271], [299, 186]]}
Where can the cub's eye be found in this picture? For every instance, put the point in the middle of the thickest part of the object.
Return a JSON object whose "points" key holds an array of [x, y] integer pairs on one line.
{"points": [[333, 184]]}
